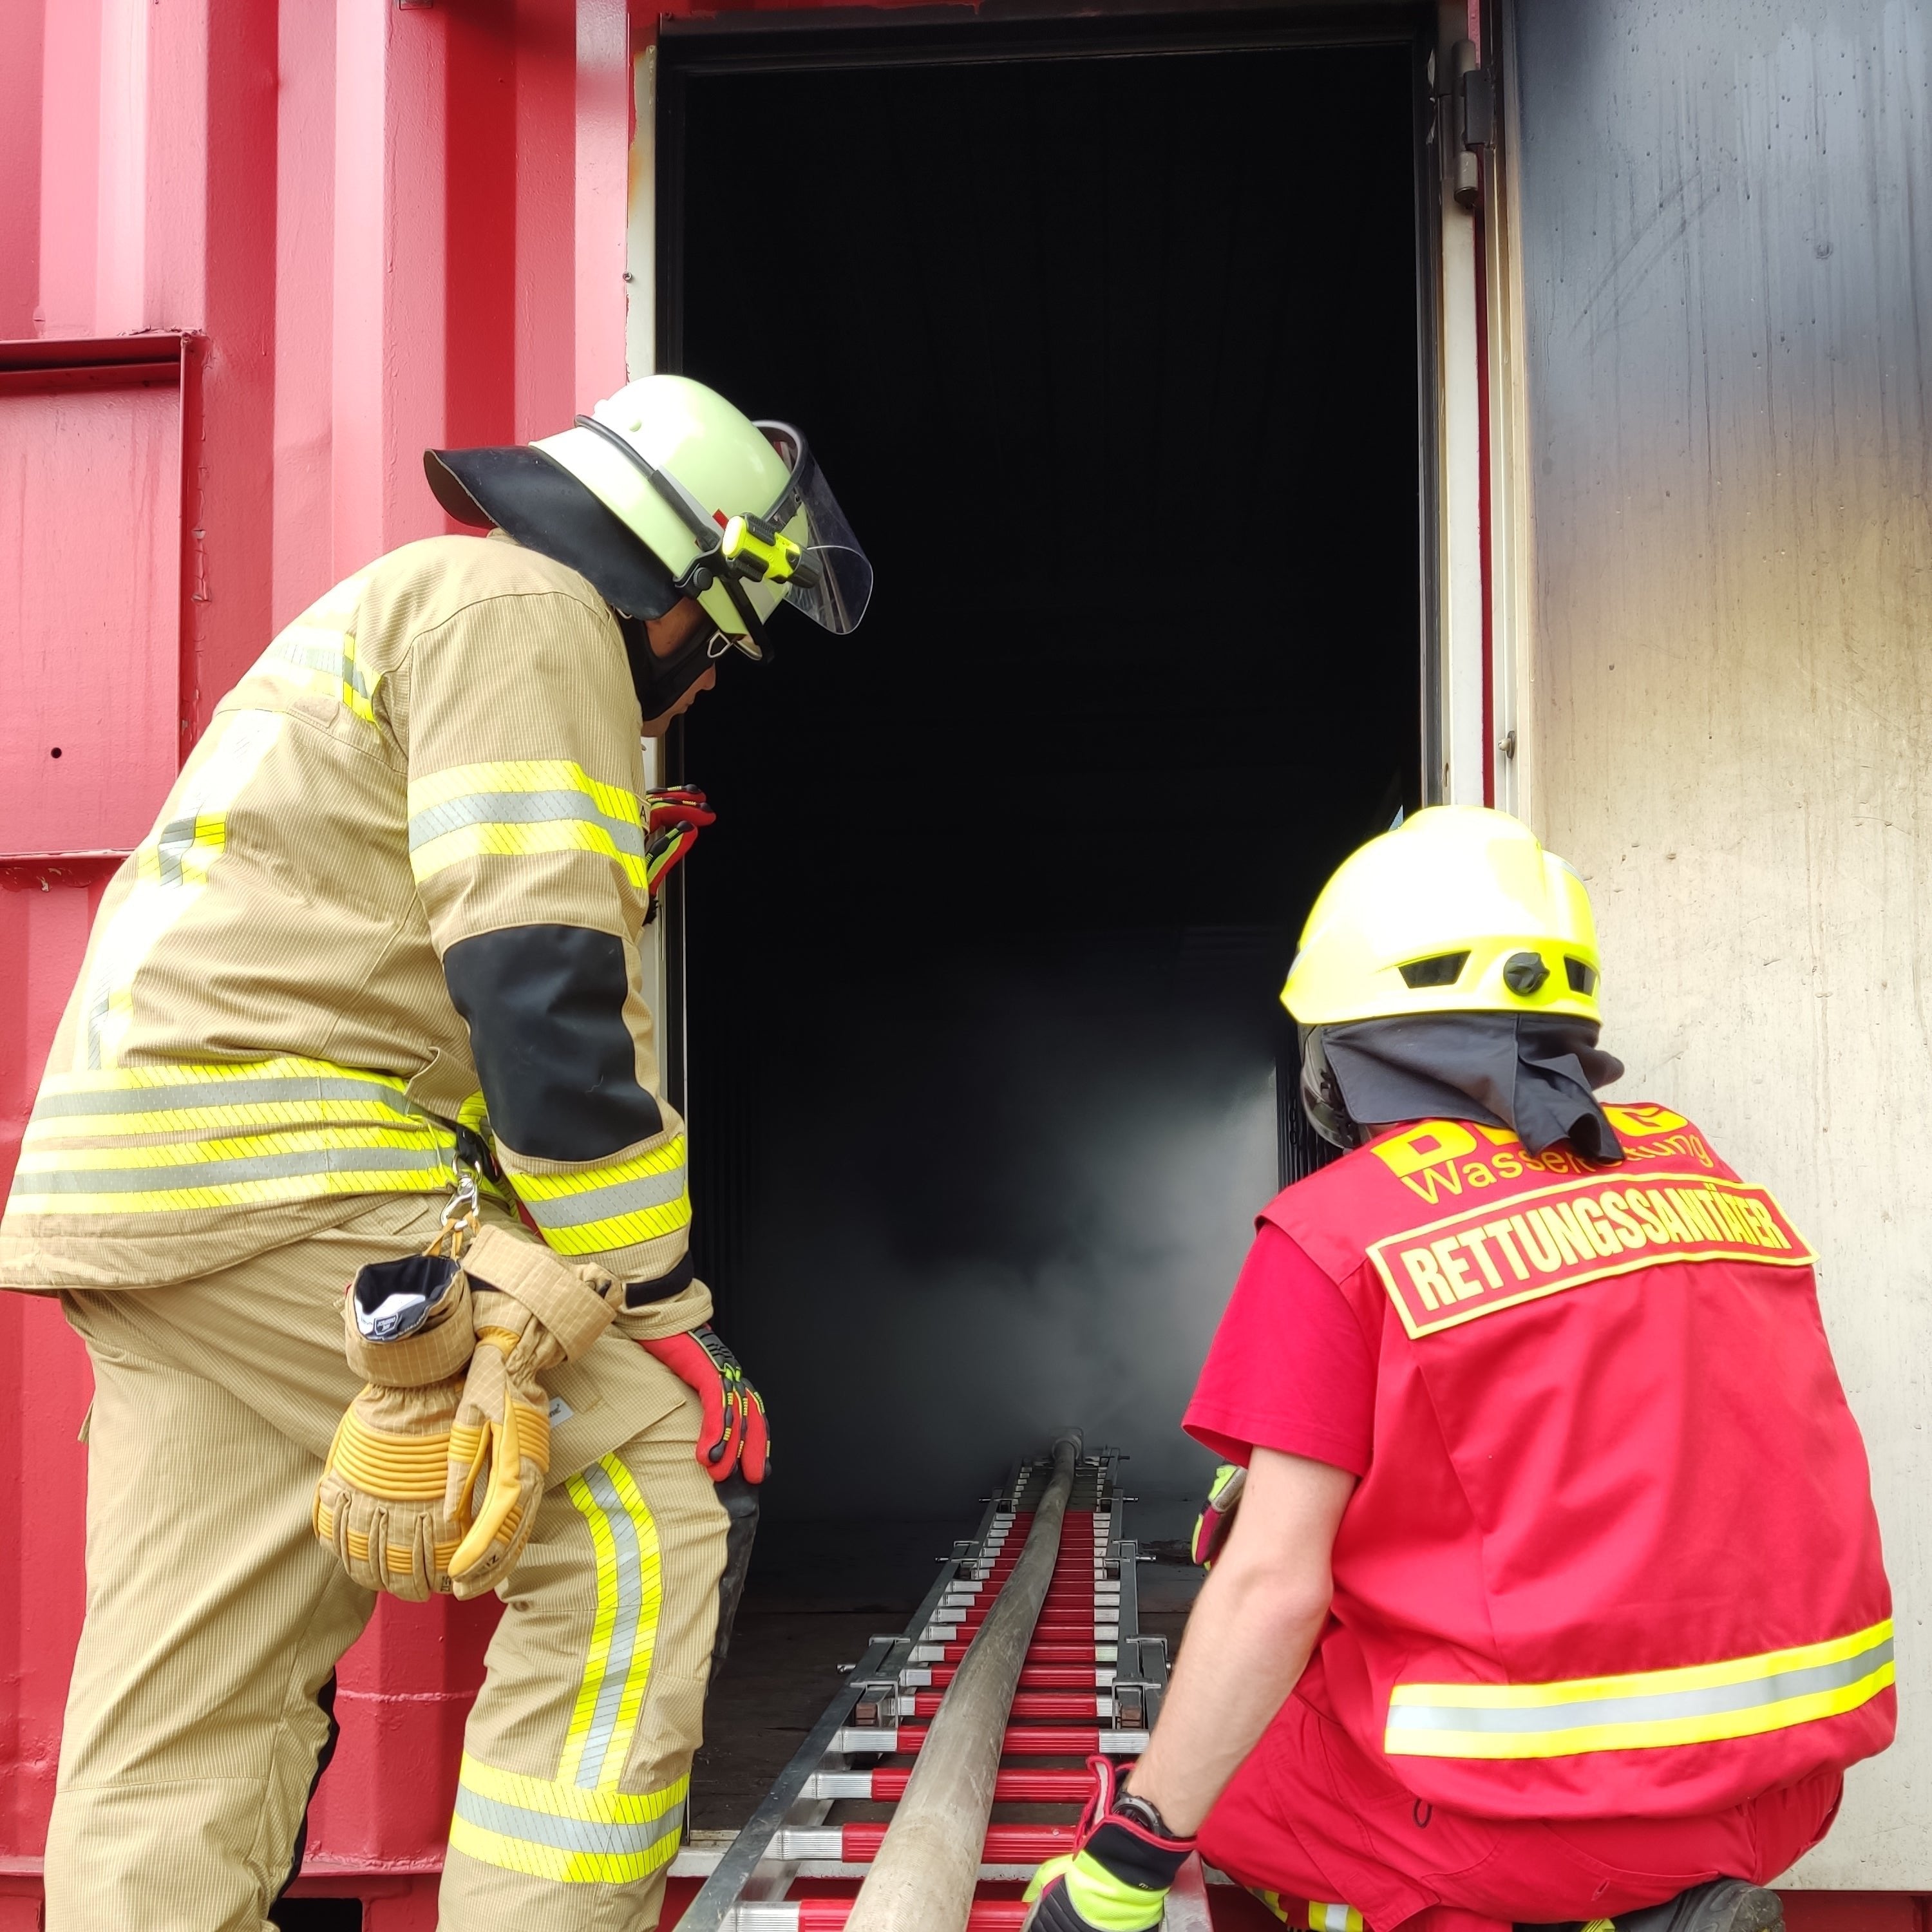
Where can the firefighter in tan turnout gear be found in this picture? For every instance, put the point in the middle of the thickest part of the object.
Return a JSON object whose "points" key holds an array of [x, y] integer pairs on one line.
{"points": [[369, 987]]}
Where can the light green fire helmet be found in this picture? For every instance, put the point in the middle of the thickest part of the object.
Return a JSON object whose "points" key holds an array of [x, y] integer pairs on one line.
{"points": [[702, 502], [738, 512]]}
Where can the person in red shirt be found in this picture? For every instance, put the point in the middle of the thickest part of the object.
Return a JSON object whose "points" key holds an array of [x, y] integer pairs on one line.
{"points": [[1554, 1592]]}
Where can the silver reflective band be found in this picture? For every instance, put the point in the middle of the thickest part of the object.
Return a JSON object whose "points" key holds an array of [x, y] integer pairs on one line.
{"points": [[73, 1178], [594, 1836], [607, 1203], [521, 807], [1700, 1703]]}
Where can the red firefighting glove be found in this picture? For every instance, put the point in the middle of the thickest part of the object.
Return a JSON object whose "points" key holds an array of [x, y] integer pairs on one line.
{"points": [[1118, 1880], [1217, 1513], [732, 1434], [672, 819]]}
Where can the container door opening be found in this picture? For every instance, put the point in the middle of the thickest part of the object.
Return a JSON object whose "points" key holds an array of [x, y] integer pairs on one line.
{"points": [[986, 1071]]}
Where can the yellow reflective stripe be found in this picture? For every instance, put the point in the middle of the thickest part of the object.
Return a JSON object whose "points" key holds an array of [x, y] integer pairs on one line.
{"points": [[1697, 1704], [1326, 1917], [182, 849], [518, 807], [318, 650], [202, 1120], [613, 1204], [235, 1194], [521, 775], [170, 871], [499, 840], [597, 1657], [237, 1147], [637, 1678], [123, 1102], [318, 1129], [559, 1831], [623, 1635]]}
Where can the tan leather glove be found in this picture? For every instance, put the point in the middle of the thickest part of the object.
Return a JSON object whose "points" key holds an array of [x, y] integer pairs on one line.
{"points": [[379, 1504], [531, 1310]]}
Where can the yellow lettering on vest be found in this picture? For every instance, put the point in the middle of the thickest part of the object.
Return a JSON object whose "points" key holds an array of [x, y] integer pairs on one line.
{"points": [[1695, 1216], [1543, 1257], [1426, 1277], [1477, 1175], [1642, 1117], [1500, 1137], [1473, 1240], [1559, 1223], [1445, 1251], [1628, 1232], [1769, 1233], [1433, 1142], [1665, 1209], [1653, 1226], [1499, 1231], [1602, 1238], [1509, 1165], [1425, 1183], [1729, 1219]]}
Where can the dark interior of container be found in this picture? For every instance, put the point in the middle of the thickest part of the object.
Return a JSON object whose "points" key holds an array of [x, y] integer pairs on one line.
{"points": [[1113, 363]]}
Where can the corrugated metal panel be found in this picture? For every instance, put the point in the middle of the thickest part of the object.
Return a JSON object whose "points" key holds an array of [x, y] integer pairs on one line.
{"points": [[377, 228], [1727, 260]]}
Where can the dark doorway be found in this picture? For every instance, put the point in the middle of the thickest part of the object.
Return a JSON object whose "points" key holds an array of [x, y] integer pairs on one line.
{"points": [[1113, 362]]}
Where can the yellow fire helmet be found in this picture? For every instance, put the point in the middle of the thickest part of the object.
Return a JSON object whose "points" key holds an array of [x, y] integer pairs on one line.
{"points": [[1459, 909]]}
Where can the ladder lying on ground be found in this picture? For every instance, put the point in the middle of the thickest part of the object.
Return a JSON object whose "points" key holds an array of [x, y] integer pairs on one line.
{"points": [[1088, 1681]]}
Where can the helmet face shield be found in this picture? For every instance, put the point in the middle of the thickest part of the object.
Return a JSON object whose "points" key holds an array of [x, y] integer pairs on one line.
{"points": [[740, 559], [832, 581]]}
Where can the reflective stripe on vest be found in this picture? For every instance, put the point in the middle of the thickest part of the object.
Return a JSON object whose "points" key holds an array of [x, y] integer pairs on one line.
{"points": [[1698, 1704], [139, 1140]]}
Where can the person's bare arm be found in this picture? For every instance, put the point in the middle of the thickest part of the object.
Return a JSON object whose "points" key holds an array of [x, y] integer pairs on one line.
{"points": [[1250, 1635]]}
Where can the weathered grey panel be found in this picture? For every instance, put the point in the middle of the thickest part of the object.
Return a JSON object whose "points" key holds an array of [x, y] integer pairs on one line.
{"points": [[1727, 216]]}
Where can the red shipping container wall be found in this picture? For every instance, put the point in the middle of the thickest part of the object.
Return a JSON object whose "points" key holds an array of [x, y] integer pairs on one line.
{"points": [[253, 260]]}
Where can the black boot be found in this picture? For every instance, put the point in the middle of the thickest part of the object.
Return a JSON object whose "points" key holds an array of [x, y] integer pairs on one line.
{"points": [[1724, 1905]]}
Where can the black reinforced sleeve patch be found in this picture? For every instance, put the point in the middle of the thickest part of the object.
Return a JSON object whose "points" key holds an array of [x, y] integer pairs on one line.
{"points": [[544, 1005]]}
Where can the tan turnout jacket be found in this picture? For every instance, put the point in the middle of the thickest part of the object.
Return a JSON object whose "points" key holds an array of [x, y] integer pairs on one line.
{"points": [[436, 767]]}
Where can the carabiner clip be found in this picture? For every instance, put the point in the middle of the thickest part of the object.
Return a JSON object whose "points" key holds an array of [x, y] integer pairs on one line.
{"points": [[459, 1215]]}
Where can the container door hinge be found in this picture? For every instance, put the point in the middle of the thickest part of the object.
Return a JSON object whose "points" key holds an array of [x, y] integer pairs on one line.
{"points": [[1474, 122]]}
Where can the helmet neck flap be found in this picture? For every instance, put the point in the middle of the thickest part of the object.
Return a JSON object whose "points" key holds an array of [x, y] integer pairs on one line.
{"points": [[1533, 1073]]}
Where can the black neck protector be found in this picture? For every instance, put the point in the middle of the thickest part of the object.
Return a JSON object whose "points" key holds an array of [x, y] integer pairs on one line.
{"points": [[1533, 1073]]}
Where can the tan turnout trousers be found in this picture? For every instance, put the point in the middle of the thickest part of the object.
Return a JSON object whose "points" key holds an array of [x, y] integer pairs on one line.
{"points": [[214, 1618]]}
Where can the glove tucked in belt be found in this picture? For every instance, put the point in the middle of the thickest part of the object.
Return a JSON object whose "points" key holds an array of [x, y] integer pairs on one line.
{"points": [[1119, 1878], [531, 1311], [379, 1504]]}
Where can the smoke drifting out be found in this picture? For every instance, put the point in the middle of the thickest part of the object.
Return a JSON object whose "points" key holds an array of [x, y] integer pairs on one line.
{"points": [[988, 1198]]}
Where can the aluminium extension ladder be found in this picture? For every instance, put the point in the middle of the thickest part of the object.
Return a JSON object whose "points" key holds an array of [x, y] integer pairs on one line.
{"points": [[1090, 1683]]}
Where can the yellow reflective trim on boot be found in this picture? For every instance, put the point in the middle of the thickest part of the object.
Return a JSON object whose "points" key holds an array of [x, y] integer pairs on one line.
{"points": [[623, 1637], [560, 1832]]}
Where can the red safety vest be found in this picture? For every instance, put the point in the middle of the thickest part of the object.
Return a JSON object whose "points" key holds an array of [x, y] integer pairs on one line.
{"points": [[1614, 1554]]}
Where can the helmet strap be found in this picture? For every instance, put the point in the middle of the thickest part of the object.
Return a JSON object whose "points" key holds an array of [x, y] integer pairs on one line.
{"points": [[659, 682]]}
